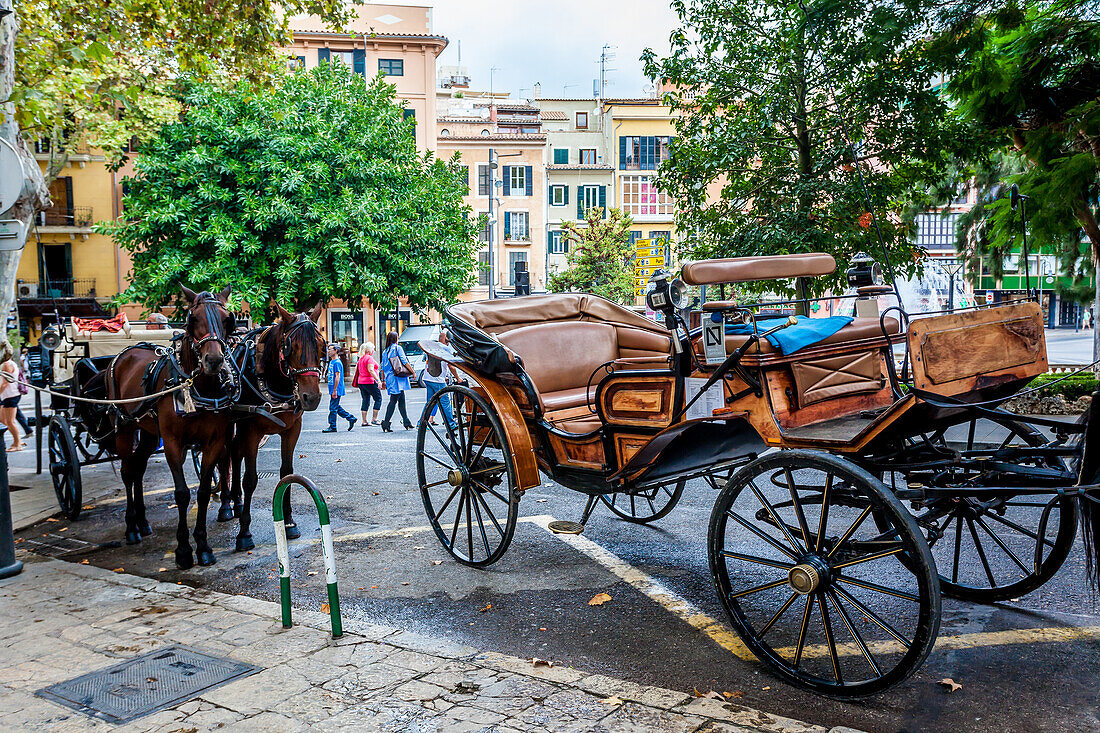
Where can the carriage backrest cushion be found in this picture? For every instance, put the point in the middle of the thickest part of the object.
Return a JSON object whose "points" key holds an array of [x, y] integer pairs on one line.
{"points": [[562, 355], [748, 269]]}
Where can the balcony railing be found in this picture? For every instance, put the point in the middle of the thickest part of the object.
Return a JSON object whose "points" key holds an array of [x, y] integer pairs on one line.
{"points": [[42, 147], [83, 287], [75, 216]]}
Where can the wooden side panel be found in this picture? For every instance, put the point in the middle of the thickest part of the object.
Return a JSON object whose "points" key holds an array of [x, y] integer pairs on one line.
{"points": [[638, 400], [581, 453], [628, 445], [515, 428], [958, 353]]}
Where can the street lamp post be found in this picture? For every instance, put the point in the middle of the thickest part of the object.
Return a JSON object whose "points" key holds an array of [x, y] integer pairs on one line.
{"points": [[952, 266]]}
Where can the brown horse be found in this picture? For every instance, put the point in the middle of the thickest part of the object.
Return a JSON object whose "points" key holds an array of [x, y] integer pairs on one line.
{"points": [[198, 358], [281, 367]]}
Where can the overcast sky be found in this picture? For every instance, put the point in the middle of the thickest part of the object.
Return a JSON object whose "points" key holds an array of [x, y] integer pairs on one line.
{"points": [[556, 43]]}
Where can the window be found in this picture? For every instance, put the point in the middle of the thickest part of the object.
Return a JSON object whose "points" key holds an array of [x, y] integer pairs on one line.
{"points": [[296, 62], [482, 179], [642, 153], [559, 195], [663, 148], [392, 67], [556, 243], [482, 268], [483, 233], [517, 226], [485, 133], [630, 153], [635, 236], [641, 198], [662, 237], [517, 180], [444, 132], [344, 57], [588, 156], [466, 177], [590, 196], [582, 120], [513, 258], [409, 114], [934, 231], [561, 156]]}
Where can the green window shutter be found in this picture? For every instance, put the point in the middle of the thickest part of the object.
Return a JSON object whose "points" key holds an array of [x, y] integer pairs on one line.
{"points": [[561, 156], [528, 179], [322, 55], [359, 61], [507, 225], [580, 202], [565, 189], [622, 153], [603, 199], [507, 173]]}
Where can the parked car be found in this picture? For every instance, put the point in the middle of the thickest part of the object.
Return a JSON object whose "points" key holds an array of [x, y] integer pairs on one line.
{"points": [[409, 341]]}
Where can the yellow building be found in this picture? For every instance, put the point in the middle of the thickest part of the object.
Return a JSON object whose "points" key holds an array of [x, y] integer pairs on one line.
{"points": [[66, 268], [639, 132]]}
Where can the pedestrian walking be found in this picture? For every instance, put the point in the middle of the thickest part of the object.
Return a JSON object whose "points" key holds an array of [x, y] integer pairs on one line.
{"points": [[436, 376], [24, 370], [367, 377], [1087, 319], [9, 403], [397, 370], [336, 391]]}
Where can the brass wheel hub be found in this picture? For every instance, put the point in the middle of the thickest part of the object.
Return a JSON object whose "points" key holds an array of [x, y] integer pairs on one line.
{"points": [[456, 476], [807, 576]]}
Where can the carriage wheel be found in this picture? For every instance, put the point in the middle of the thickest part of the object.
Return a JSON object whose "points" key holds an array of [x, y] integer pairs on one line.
{"points": [[990, 550], [817, 592], [645, 506], [65, 467], [467, 479]]}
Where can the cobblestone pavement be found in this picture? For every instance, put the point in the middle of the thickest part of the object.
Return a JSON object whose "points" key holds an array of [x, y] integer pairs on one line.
{"points": [[83, 618]]}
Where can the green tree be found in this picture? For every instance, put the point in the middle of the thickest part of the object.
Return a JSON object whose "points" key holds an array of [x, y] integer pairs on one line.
{"points": [[600, 259], [311, 190], [765, 91], [1026, 75]]}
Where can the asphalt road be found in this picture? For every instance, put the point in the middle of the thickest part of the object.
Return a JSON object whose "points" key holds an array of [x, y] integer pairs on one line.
{"points": [[393, 571]]}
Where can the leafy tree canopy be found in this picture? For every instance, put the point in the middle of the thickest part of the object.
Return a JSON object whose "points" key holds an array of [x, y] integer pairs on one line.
{"points": [[600, 258], [311, 190], [101, 72], [765, 90]]}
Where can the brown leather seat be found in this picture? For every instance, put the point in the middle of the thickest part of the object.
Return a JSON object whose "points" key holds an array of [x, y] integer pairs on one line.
{"points": [[747, 269], [858, 329]]}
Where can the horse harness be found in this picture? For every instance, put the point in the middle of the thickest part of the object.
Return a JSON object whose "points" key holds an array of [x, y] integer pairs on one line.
{"points": [[251, 355]]}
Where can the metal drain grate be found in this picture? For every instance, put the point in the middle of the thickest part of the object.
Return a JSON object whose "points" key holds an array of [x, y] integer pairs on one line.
{"points": [[58, 545], [145, 684]]}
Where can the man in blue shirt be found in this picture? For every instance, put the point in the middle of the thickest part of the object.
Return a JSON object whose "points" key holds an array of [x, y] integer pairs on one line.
{"points": [[336, 391]]}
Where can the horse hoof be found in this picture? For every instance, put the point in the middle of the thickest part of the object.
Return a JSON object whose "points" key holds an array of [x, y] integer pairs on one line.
{"points": [[145, 529], [184, 559], [226, 514], [292, 532], [245, 543], [238, 510], [133, 538], [206, 557]]}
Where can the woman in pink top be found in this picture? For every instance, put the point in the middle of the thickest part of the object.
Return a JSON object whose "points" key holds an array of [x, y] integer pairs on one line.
{"points": [[9, 403], [366, 379]]}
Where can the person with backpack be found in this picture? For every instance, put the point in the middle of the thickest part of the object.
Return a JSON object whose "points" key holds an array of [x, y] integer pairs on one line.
{"points": [[397, 370], [436, 376]]}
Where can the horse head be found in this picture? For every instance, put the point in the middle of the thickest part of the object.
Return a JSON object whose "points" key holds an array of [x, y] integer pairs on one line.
{"points": [[209, 324], [302, 353]]}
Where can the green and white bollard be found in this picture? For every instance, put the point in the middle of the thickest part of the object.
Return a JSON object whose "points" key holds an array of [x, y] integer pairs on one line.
{"points": [[326, 548]]}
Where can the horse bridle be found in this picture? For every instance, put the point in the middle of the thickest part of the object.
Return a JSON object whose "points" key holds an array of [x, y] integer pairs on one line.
{"points": [[217, 330], [300, 323]]}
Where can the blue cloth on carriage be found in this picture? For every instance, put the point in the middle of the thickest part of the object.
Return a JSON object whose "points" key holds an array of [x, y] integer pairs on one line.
{"points": [[807, 332]]}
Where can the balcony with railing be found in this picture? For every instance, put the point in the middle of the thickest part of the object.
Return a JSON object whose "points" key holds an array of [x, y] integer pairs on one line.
{"points": [[83, 287], [72, 216]]}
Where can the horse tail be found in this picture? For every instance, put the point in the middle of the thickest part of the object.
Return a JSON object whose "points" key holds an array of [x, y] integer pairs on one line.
{"points": [[1090, 499]]}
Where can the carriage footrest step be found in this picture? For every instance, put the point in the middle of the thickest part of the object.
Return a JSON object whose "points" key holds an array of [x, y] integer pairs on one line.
{"points": [[565, 526]]}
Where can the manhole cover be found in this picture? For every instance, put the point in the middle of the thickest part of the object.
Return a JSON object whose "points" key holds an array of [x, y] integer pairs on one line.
{"points": [[59, 545], [145, 684]]}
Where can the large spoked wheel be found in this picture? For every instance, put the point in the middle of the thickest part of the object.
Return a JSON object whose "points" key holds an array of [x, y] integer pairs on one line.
{"points": [[467, 478], [647, 505], [998, 548], [65, 467], [815, 590]]}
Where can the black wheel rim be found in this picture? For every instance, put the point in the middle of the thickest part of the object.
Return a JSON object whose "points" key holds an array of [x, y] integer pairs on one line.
{"points": [[997, 549], [647, 505], [816, 590], [64, 468], [467, 480]]}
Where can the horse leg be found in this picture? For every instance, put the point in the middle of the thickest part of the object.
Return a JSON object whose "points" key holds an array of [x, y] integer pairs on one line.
{"points": [[288, 441], [233, 460], [173, 454], [146, 446], [124, 448], [248, 448], [225, 511], [211, 457]]}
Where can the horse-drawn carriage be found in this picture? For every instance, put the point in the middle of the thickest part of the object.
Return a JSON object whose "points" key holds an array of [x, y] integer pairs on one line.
{"points": [[890, 485]]}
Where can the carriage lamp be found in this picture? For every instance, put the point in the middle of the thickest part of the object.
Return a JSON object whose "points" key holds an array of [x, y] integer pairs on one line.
{"points": [[51, 338], [666, 296], [864, 271]]}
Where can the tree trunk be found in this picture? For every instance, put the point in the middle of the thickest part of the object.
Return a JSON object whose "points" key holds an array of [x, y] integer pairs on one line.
{"points": [[35, 196]]}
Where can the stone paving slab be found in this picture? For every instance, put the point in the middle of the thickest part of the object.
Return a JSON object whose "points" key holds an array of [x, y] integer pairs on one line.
{"points": [[59, 620]]}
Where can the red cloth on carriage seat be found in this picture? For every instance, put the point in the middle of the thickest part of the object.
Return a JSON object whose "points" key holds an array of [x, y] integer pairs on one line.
{"points": [[114, 325]]}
